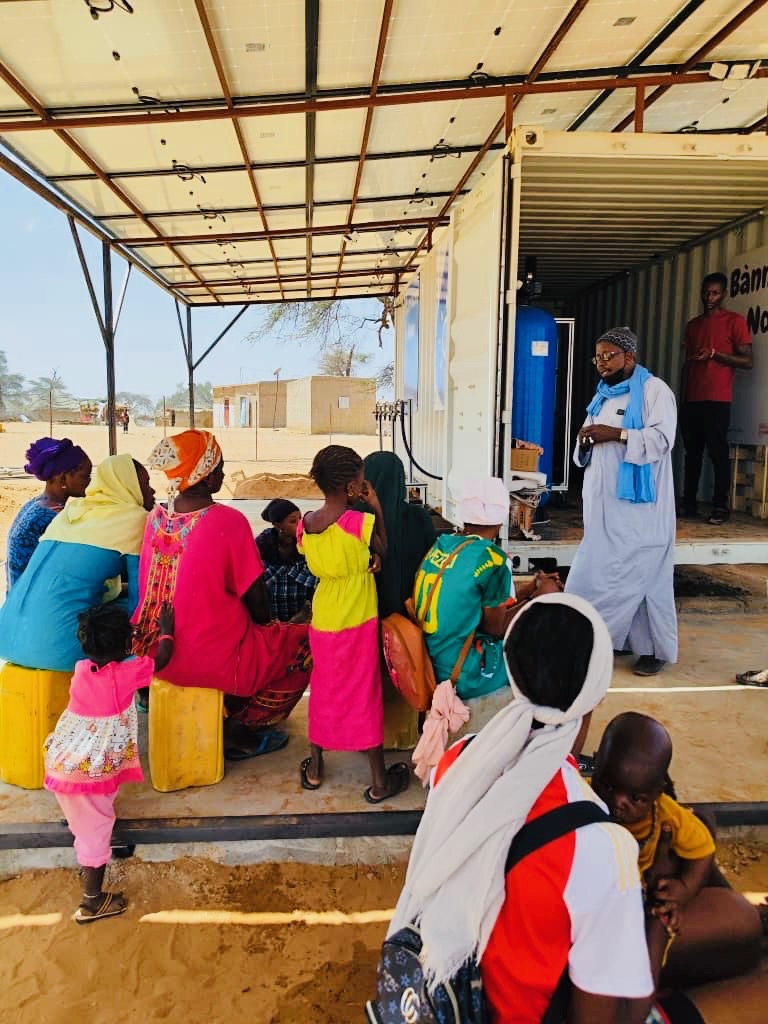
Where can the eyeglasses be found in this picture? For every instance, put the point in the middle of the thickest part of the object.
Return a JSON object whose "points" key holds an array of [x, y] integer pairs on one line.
{"points": [[605, 357]]}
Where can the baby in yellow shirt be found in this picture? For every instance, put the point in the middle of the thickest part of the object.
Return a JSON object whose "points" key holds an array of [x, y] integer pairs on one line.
{"points": [[719, 931]]}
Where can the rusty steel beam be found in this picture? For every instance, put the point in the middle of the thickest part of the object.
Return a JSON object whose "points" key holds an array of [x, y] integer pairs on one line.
{"points": [[639, 108], [267, 109], [21, 90], [375, 79], [427, 239], [549, 50], [716, 39], [224, 84], [324, 275], [322, 229], [296, 295]]}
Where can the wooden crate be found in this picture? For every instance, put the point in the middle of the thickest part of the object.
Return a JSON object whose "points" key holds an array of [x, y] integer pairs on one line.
{"points": [[749, 480]]}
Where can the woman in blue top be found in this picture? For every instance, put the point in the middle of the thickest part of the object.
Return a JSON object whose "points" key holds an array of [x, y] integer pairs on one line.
{"points": [[66, 471], [82, 559]]}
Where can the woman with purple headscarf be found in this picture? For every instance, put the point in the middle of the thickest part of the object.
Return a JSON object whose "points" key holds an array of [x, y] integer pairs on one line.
{"points": [[66, 471]]}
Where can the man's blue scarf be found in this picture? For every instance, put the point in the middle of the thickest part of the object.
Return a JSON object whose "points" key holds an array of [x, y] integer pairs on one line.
{"points": [[635, 482]]}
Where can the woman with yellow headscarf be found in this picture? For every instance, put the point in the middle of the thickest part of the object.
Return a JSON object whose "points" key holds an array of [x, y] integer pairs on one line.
{"points": [[90, 547], [201, 557]]}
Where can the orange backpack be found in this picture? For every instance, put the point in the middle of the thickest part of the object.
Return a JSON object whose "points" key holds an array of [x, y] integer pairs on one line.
{"points": [[405, 650]]}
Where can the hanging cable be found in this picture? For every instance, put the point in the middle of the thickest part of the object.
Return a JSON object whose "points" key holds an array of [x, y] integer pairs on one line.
{"points": [[421, 469]]}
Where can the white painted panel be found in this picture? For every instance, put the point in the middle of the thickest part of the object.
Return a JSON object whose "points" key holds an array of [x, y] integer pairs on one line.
{"points": [[428, 429], [474, 336]]}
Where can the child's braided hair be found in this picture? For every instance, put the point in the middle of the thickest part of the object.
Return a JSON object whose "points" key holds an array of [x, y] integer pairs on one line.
{"points": [[333, 468], [105, 633]]}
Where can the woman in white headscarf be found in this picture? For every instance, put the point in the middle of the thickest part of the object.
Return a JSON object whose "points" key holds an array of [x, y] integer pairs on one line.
{"points": [[465, 598], [575, 903]]}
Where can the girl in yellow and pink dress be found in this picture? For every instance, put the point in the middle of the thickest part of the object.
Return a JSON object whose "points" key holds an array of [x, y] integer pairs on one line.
{"points": [[343, 547], [94, 748]]}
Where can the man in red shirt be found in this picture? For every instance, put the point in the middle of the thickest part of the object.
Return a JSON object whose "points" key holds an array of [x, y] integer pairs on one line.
{"points": [[716, 344]]}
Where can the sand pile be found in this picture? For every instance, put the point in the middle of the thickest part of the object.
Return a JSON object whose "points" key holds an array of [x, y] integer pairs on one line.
{"points": [[274, 485]]}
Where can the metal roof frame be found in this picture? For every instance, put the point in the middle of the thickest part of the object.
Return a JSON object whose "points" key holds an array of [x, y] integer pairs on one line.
{"points": [[70, 143]]}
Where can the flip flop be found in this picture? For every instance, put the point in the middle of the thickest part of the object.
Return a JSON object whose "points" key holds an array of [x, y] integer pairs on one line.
{"points": [[755, 677], [111, 905], [266, 743], [401, 774], [304, 772]]}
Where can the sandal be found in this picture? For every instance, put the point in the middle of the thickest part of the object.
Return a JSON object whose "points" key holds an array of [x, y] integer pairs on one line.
{"points": [[112, 904], [306, 782], [754, 677], [267, 742], [719, 517], [400, 773]]}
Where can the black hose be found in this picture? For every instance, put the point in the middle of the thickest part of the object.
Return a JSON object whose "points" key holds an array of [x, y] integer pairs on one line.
{"points": [[421, 469]]}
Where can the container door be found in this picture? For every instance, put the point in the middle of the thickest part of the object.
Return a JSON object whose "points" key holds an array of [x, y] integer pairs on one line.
{"points": [[474, 336], [563, 446]]}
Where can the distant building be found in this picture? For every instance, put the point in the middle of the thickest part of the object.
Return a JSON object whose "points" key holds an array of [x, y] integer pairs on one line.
{"points": [[179, 418], [313, 405]]}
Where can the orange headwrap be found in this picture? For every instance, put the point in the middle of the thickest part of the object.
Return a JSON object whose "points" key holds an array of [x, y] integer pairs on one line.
{"points": [[186, 458]]}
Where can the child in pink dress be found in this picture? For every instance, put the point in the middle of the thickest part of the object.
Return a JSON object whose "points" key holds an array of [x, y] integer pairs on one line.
{"points": [[343, 547], [94, 747]]}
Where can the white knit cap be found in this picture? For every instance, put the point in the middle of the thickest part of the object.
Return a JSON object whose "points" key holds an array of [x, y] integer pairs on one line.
{"points": [[485, 502]]}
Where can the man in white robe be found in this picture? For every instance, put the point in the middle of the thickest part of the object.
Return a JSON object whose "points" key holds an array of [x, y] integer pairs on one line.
{"points": [[624, 565]]}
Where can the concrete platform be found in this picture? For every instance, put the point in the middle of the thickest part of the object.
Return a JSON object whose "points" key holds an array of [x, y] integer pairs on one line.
{"points": [[720, 733], [742, 539]]}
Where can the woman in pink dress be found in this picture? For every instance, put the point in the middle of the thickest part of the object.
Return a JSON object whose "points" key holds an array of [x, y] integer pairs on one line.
{"points": [[343, 547], [201, 557]]}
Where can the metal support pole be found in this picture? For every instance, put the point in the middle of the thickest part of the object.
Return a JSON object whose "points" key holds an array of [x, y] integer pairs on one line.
{"points": [[218, 338], [410, 440], [106, 323], [256, 431], [109, 344], [121, 297], [190, 368]]}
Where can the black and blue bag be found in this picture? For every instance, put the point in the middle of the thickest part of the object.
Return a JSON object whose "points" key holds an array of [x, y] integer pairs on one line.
{"points": [[401, 992]]}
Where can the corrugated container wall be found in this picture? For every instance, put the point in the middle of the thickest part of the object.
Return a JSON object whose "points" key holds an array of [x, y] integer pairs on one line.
{"points": [[429, 439], [656, 301]]}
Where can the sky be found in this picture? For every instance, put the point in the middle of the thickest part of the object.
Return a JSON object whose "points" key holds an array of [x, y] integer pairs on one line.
{"points": [[47, 322]]}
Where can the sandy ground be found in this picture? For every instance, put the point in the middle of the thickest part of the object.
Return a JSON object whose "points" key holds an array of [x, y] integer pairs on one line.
{"points": [[284, 457], [115, 972], [55, 972]]}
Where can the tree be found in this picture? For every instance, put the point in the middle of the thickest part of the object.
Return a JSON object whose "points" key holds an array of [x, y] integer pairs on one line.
{"points": [[139, 405], [338, 333], [45, 393], [385, 379], [180, 397], [11, 389], [342, 360]]}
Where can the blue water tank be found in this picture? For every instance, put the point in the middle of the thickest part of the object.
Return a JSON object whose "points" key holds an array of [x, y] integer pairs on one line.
{"points": [[534, 381]]}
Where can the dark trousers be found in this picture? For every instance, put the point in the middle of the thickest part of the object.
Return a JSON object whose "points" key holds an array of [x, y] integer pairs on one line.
{"points": [[705, 425]]}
